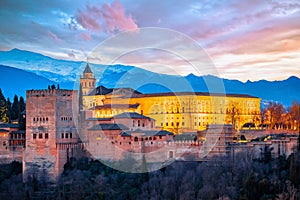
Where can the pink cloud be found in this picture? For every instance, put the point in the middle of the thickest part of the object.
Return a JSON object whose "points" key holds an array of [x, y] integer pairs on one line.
{"points": [[53, 36], [85, 36], [107, 18], [87, 20]]}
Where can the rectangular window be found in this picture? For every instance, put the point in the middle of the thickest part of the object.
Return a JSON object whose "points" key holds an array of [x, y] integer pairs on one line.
{"points": [[67, 135], [71, 135], [46, 135], [40, 135], [62, 135], [34, 136]]}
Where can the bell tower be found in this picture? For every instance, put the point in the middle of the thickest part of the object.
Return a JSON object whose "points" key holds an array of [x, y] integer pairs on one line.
{"points": [[87, 81]]}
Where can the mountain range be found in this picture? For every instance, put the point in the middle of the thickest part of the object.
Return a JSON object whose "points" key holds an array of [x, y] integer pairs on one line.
{"points": [[21, 70]]}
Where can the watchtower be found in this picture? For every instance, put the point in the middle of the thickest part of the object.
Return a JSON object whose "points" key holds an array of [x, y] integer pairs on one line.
{"points": [[51, 136], [87, 81]]}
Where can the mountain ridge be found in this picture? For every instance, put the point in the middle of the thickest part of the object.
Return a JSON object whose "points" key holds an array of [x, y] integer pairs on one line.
{"points": [[66, 72]]}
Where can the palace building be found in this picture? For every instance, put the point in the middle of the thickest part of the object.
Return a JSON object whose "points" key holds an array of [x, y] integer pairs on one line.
{"points": [[176, 112], [111, 123]]}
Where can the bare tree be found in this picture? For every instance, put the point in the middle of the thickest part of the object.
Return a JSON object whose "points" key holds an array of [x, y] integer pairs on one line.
{"points": [[274, 114], [294, 112]]}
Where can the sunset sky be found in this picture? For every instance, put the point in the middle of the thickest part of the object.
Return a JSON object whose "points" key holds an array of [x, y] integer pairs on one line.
{"points": [[246, 40]]}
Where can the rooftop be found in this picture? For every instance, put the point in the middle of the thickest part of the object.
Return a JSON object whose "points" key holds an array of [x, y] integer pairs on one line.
{"points": [[101, 90], [191, 94], [131, 115], [185, 136], [131, 93], [109, 106], [109, 126], [146, 133], [98, 119], [19, 132], [87, 69], [9, 125]]}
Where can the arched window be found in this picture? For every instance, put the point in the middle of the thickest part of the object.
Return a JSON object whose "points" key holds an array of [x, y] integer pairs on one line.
{"points": [[136, 139], [34, 119]]}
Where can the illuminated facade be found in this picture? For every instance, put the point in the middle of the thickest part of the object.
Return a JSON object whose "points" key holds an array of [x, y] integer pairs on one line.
{"points": [[175, 112]]}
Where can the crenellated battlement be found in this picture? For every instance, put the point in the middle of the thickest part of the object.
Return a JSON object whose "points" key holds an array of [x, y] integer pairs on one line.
{"points": [[50, 92]]}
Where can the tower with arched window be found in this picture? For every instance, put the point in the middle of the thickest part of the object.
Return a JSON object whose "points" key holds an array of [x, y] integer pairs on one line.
{"points": [[87, 80], [51, 134]]}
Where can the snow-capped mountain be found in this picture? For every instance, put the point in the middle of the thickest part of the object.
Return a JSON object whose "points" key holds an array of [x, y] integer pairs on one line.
{"points": [[67, 72]]}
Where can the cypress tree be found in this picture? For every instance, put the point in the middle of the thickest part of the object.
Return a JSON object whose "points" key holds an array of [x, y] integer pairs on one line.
{"points": [[80, 103], [3, 108], [8, 103], [22, 104], [15, 108]]}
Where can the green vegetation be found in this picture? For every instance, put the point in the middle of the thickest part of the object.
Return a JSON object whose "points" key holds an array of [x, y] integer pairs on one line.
{"points": [[12, 111]]}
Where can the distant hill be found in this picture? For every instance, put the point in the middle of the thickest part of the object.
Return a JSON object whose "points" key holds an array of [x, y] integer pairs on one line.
{"points": [[16, 81], [48, 70]]}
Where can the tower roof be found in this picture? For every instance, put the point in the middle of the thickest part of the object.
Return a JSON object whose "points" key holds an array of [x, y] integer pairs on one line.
{"points": [[87, 69]]}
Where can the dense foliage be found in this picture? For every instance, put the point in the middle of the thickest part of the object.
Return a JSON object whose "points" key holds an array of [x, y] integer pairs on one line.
{"points": [[12, 111], [240, 178]]}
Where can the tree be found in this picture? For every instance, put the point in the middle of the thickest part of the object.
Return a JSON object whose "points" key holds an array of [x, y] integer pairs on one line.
{"points": [[233, 113], [80, 99], [21, 118], [3, 108], [15, 108], [274, 114], [8, 103], [294, 112], [22, 104]]}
